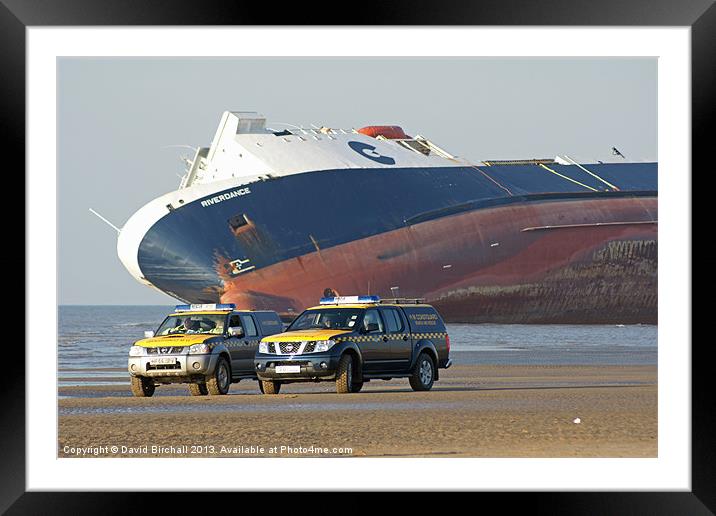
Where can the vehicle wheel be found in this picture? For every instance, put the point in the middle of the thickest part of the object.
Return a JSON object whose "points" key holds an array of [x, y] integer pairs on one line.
{"points": [[356, 386], [423, 373], [142, 387], [198, 389], [270, 387], [344, 375], [220, 381]]}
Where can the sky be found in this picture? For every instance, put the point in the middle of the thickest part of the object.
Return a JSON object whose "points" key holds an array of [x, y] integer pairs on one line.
{"points": [[122, 122]]}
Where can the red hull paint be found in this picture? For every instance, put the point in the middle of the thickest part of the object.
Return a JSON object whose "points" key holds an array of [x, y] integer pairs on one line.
{"points": [[530, 263]]}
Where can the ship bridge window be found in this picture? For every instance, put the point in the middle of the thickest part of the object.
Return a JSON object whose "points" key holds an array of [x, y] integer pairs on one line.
{"points": [[240, 223]]}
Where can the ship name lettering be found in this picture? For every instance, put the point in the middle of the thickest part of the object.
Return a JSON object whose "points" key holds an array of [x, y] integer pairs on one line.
{"points": [[223, 197]]}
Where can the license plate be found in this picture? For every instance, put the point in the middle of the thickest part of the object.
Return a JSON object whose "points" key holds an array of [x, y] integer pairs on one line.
{"points": [[162, 361], [288, 368]]}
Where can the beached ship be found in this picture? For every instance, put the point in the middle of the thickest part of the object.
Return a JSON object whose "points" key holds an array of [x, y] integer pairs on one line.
{"points": [[274, 219]]}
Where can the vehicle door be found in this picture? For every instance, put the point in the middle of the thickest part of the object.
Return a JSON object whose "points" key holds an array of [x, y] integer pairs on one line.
{"points": [[398, 338], [250, 341], [235, 344], [372, 341]]}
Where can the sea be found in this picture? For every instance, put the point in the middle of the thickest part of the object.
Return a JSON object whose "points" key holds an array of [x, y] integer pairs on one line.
{"points": [[93, 342]]}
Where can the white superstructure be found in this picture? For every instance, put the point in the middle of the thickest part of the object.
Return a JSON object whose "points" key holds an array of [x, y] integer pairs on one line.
{"points": [[244, 147]]}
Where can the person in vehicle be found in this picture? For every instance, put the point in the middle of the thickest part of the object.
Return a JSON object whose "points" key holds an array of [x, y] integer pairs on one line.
{"points": [[187, 326], [330, 321], [372, 317]]}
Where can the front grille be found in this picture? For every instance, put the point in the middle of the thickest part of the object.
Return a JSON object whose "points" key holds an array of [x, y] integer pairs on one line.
{"points": [[289, 347], [168, 350]]}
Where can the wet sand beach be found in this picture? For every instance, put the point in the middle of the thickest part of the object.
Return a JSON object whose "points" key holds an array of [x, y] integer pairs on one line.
{"points": [[473, 411]]}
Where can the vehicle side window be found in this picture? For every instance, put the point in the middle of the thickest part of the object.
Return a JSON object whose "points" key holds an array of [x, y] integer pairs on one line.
{"points": [[269, 323], [372, 316], [393, 320], [424, 319], [234, 321], [249, 326]]}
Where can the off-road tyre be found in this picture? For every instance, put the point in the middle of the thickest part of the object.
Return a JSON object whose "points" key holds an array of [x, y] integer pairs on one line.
{"points": [[220, 381], [198, 389], [423, 375], [142, 387], [270, 386], [356, 386], [344, 375]]}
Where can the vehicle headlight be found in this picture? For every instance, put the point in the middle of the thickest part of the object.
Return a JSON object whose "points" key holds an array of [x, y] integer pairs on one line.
{"points": [[263, 347], [136, 351], [199, 349], [324, 345]]}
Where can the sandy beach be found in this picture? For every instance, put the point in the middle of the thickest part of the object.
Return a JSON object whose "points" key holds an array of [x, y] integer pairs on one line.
{"points": [[473, 411]]}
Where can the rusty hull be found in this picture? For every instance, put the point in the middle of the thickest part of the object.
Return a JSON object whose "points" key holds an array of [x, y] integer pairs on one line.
{"points": [[572, 261]]}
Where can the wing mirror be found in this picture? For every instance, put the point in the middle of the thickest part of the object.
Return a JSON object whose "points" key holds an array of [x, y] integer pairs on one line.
{"points": [[236, 331], [371, 327], [148, 334]]}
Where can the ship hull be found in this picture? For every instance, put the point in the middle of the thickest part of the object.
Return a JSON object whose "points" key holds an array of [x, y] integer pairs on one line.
{"points": [[509, 244], [573, 261]]}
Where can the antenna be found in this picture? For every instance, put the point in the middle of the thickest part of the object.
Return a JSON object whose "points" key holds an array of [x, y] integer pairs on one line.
{"points": [[106, 221], [180, 146]]}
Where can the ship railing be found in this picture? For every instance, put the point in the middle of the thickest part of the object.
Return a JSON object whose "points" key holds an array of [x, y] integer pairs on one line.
{"points": [[509, 162], [314, 131]]}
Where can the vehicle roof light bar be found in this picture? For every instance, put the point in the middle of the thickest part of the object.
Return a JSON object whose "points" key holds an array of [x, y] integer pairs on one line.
{"points": [[347, 300], [204, 307]]}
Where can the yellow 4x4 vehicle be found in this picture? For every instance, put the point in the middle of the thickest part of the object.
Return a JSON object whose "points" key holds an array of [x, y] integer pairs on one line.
{"points": [[355, 339], [207, 346]]}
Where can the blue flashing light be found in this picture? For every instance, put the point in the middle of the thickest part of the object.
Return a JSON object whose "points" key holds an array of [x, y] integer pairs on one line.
{"points": [[347, 300], [199, 308]]}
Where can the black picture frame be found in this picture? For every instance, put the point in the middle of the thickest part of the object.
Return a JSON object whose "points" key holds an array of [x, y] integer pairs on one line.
{"points": [[700, 15]]}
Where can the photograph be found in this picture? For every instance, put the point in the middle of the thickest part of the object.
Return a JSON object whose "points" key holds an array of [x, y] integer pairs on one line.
{"points": [[346, 256], [287, 252]]}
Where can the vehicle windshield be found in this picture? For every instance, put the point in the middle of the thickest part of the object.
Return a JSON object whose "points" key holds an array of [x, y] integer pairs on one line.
{"points": [[327, 319], [193, 323]]}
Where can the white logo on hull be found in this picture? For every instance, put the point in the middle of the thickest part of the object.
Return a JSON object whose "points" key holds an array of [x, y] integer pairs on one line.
{"points": [[226, 196]]}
